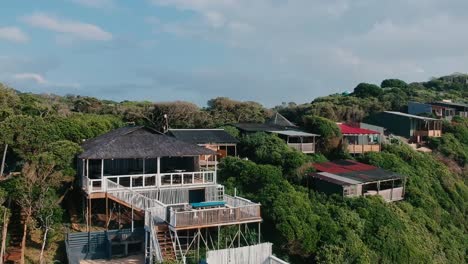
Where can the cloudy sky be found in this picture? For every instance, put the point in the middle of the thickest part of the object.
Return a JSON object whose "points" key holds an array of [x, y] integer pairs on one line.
{"points": [[270, 51]]}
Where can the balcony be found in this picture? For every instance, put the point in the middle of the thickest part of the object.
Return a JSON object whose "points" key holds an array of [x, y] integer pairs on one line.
{"points": [[358, 149], [148, 181], [389, 195], [236, 210], [428, 133], [303, 147]]}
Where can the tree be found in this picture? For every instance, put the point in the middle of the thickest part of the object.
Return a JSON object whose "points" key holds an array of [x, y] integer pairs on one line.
{"points": [[393, 83], [226, 111], [364, 90], [330, 134], [48, 213], [266, 148]]}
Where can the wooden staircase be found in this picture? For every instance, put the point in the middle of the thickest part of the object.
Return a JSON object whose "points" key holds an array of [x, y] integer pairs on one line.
{"points": [[165, 242], [15, 230]]}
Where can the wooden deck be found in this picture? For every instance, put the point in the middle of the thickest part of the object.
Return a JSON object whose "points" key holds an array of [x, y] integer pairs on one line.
{"points": [[139, 259], [358, 149]]}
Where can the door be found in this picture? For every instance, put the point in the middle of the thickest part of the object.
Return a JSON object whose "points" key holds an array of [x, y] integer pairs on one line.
{"points": [[196, 196]]}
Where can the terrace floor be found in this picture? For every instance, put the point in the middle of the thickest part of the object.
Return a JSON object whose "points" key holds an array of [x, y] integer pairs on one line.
{"points": [[139, 259]]}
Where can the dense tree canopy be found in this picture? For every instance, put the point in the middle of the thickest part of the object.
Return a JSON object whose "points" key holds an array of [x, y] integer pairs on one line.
{"points": [[364, 90], [42, 133]]}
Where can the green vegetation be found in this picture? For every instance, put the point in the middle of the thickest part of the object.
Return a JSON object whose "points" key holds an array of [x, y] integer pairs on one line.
{"points": [[41, 135]]}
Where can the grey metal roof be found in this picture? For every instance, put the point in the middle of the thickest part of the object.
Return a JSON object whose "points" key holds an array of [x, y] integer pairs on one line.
{"points": [[411, 116], [450, 104], [344, 180], [138, 142], [204, 136], [294, 133], [255, 127]]}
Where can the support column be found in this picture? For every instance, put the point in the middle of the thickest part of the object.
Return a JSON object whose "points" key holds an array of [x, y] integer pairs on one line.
{"points": [[198, 244], [216, 169], [87, 168], [259, 232], [158, 171], [239, 237], [90, 223], [107, 212]]}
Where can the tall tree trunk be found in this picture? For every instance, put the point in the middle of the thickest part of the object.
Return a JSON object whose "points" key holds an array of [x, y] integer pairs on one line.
{"points": [[41, 259], [25, 230], [4, 233], [2, 168]]}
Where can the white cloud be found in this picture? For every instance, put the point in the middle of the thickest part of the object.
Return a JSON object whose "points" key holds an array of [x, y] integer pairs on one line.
{"points": [[73, 28], [324, 45], [13, 34], [34, 77], [40, 80], [95, 3]]}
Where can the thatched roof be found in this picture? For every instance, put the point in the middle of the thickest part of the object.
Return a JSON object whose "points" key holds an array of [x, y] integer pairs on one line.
{"points": [[204, 136], [138, 142]]}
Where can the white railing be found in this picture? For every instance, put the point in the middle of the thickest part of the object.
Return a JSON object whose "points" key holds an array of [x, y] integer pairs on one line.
{"points": [[275, 260], [137, 200], [236, 201], [187, 178], [145, 181], [303, 147], [155, 249], [244, 211], [93, 185]]}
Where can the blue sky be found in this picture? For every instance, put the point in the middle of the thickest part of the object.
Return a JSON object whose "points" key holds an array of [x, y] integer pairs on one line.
{"points": [[270, 51]]}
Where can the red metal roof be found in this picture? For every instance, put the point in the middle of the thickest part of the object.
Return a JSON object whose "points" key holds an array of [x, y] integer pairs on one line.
{"points": [[345, 129], [343, 166]]}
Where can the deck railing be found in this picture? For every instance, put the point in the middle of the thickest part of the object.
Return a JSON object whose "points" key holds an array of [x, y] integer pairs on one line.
{"points": [[303, 147], [137, 200], [238, 210], [142, 181], [356, 149]]}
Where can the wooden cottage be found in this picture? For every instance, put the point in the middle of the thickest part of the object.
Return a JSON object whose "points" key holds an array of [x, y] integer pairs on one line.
{"points": [[352, 179], [457, 109], [151, 183], [215, 139], [286, 130], [439, 111], [360, 140], [415, 128]]}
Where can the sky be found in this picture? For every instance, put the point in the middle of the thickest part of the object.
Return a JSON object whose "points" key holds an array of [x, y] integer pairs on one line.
{"points": [[269, 51]]}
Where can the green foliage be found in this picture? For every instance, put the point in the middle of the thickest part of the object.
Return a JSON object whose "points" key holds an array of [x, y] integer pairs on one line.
{"points": [[233, 131], [393, 83], [270, 149], [226, 111], [364, 90], [285, 210], [454, 141], [330, 134]]}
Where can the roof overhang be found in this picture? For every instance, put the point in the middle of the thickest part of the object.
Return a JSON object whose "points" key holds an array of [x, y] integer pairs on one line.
{"points": [[293, 133]]}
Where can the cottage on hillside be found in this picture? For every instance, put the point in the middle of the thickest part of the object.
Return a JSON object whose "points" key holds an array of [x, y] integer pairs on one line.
{"points": [[147, 191], [360, 140], [286, 130], [352, 179], [415, 128], [215, 139]]}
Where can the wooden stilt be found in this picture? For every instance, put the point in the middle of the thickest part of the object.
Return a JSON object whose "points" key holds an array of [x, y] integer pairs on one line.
{"points": [[107, 212]]}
